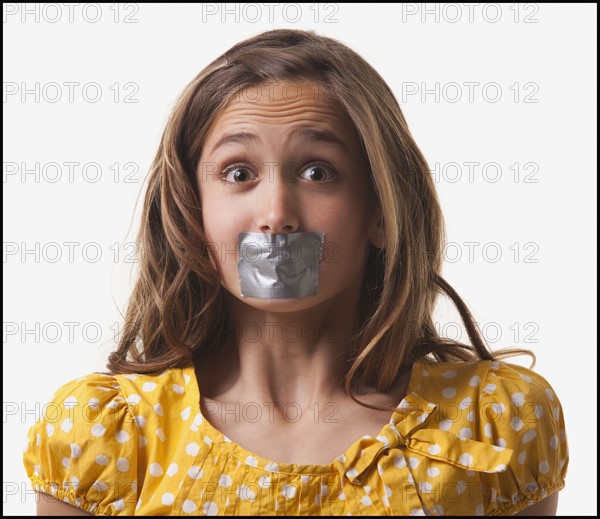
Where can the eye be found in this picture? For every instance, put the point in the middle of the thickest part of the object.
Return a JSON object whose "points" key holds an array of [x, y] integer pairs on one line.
{"points": [[237, 174], [319, 172]]}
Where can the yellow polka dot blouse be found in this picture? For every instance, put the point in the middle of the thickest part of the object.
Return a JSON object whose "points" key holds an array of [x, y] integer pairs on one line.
{"points": [[470, 438]]}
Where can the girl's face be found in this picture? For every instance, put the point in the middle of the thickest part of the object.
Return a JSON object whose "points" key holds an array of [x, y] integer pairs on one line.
{"points": [[282, 158]]}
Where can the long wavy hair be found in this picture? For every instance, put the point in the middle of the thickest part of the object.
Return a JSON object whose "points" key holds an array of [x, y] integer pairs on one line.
{"points": [[177, 311]]}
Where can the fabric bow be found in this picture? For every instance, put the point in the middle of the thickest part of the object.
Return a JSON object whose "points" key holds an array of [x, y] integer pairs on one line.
{"points": [[410, 432]]}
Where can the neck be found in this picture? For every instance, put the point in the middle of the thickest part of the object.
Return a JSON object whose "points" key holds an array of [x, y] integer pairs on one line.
{"points": [[297, 356]]}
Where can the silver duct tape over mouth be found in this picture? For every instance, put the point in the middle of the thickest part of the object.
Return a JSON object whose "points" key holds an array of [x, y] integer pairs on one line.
{"points": [[279, 266]]}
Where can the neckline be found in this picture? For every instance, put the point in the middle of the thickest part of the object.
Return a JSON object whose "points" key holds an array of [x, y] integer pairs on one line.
{"points": [[249, 457]]}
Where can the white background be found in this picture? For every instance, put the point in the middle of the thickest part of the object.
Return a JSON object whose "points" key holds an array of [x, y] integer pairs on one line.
{"points": [[550, 51]]}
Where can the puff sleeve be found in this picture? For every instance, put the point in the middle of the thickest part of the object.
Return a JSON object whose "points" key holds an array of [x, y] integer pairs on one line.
{"points": [[83, 450], [520, 411]]}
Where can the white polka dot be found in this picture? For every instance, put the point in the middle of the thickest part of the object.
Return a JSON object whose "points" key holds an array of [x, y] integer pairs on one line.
{"points": [[544, 467], [352, 472], [563, 435], [210, 508], [156, 470], [487, 430], [192, 448], [461, 486], [75, 450], [554, 441], [100, 486], [525, 377], [178, 389], [207, 440], [416, 511], [264, 481], [479, 510], [288, 491], [172, 470], [246, 493], [366, 501], [449, 374], [94, 403], [70, 401], [139, 504], [185, 414], [161, 435], [196, 423], [122, 465], [433, 472], [140, 421], [168, 499], [501, 442], [556, 413], [142, 441], [189, 507], [158, 409], [516, 423], [465, 459], [122, 436], [66, 425], [148, 386], [531, 487], [495, 364], [413, 463], [550, 393], [271, 467], [471, 416], [225, 481], [425, 373], [470, 473], [475, 381], [98, 430], [538, 410], [449, 392], [521, 457], [252, 461], [133, 399], [434, 449], [500, 468], [498, 407], [101, 459], [465, 433], [400, 462], [489, 388], [445, 425], [437, 509], [195, 472], [529, 435], [466, 403], [518, 399], [119, 504], [425, 486], [66, 462]]}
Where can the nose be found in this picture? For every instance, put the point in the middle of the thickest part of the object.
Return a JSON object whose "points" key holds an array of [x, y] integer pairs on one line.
{"points": [[278, 211]]}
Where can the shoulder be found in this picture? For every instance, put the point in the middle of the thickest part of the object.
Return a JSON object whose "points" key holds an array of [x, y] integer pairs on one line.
{"points": [[508, 407], [523, 413], [87, 446]]}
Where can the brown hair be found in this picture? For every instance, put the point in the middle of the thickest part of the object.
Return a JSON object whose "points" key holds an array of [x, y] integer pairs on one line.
{"points": [[177, 309]]}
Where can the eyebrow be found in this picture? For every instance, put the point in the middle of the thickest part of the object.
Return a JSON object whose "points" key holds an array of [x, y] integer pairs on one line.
{"points": [[310, 134]]}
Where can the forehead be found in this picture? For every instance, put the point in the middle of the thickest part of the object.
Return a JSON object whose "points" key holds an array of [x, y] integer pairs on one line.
{"points": [[285, 102]]}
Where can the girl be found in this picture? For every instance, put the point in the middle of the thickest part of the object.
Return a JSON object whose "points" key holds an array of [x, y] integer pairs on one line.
{"points": [[279, 354]]}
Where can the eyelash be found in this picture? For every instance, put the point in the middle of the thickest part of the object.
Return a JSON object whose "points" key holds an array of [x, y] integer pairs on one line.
{"points": [[237, 165]]}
